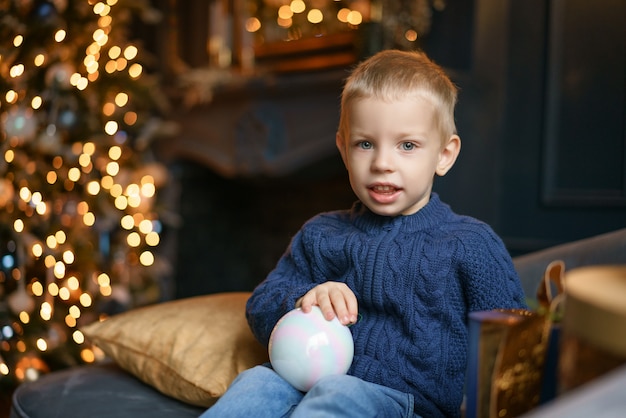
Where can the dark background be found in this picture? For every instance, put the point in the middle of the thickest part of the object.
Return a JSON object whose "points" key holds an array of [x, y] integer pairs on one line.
{"points": [[541, 116]]}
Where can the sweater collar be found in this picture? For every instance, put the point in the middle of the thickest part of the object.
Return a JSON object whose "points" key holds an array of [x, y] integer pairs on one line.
{"points": [[427, 217]]}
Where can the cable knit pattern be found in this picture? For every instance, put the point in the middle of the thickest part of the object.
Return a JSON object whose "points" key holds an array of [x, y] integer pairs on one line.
{"points": [[416, 279]]}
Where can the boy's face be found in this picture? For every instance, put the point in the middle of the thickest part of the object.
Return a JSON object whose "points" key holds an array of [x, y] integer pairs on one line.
{"points": [[393, 152]]}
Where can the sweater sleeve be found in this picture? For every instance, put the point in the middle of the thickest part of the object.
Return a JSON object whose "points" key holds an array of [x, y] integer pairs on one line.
{"points": [[490, 279], [278, 293]]}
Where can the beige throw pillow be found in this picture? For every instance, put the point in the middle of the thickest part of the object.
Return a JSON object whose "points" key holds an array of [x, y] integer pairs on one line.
{"points": [[190, 349]]}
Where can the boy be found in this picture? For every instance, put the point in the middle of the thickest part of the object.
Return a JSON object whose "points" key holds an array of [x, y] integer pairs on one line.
{"points": [[400, 261]]}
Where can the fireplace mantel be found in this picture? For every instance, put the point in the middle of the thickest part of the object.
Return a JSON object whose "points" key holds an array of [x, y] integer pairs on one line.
{"points": [[265, 126]]}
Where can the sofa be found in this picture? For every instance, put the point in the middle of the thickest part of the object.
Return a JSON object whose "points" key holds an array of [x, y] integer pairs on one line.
{"points": [[176, 358]]}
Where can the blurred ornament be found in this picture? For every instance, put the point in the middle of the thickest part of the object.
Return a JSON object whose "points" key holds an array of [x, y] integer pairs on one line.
{"points": [[67, 119], [59, 75], [45, 12], [21, 301], [7, 192], [20, 123], [49, 142], [30, 368]]}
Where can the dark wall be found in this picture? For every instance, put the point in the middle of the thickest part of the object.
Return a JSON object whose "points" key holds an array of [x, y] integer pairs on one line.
{"points": [[541, 115]]}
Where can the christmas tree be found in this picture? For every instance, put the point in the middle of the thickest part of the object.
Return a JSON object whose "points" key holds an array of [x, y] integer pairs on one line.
{"points": [[79, 223]]}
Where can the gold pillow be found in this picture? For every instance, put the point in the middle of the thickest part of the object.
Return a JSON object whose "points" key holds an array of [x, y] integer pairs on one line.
{"points": [[189, 349]]}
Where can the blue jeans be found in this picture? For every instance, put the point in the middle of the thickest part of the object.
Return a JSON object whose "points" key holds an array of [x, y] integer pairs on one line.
{"points": [[261, 392]]}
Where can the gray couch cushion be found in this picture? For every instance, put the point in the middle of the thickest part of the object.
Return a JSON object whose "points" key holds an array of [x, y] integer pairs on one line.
{"points": [[609, 248], [95, 391]]}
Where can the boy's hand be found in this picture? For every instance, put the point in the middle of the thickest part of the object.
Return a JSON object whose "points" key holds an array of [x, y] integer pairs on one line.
{"points": [[333, 298]]}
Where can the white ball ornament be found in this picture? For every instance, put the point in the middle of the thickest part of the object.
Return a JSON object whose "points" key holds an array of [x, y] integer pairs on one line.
{"points": [[304, 347]]}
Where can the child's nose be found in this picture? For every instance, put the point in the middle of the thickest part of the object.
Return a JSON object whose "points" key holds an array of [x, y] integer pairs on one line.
{"points": [[383, 161]]}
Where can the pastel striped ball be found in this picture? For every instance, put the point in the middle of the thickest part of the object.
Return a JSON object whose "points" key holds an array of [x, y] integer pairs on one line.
{"points": [[304, 347]]}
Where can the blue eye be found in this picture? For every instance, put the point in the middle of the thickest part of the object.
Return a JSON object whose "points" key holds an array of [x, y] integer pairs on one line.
{"points": [[365, 144], [408, 146]]}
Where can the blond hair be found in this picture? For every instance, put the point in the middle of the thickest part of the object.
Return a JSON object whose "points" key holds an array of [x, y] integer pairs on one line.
{"points": [[391, 75]]}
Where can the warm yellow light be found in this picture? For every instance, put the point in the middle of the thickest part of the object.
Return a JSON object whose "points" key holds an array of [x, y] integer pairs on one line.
{"points": [[24, 317], [355, 18], [49, 261], [315, 16], [9, 156], [87, 355], [111, 127], [342, 15], [85, 300], [37, 250], [39, 60], [36, 288], [152, 239], [410, 35], [11, 96], [36, 102], [108, 109], [82, 83], [127, 222], [253, 24], [297, 6], [116, 190], [45, 311], [93, 187], [18, 225], [51, 177], [121, 63], [121, 99], [74, 311], [133, 239], [41, 208], [61, 237], [17, 41], [130, 52], [25, 194], [70, 321], [78, 337], [89, 219], [84, 160], [114, 52], [73, 174], [53, 289], [130, 118], [16, 70], [64, 293], [113, 168], [107, 182], [68, 258], [285, 12], [59, 270], [284, 23], [59, 36], [135, 70], [115, 152], [145, 226], [73, 283], [4, 369], [104, 280], [146, 258], [82, 208], [42, 345]]}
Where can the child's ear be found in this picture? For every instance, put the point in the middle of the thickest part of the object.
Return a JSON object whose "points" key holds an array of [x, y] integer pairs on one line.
{"points": [[341, 146], [448, 154]]}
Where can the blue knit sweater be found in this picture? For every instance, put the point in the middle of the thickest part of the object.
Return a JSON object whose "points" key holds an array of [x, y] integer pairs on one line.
{"points": [[415, 277]]}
